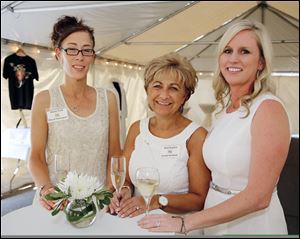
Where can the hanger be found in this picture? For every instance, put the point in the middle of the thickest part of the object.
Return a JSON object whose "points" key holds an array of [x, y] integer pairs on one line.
{"points": [[20, 51]]}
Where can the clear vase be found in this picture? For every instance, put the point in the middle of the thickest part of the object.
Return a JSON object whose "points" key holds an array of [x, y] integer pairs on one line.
{"points": [[81, 212]]}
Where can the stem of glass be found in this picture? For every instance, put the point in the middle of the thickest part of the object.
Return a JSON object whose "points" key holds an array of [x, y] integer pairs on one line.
{"points": [[147, 201]]}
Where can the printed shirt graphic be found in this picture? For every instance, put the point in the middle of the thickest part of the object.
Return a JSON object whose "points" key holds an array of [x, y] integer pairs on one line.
{"points": [[20, 72]]}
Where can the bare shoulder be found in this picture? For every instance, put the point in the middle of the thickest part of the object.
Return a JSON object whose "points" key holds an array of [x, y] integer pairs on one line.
{"points": [[271, 109], [199, 134], [197, 138], [135, 128], [110, 95], [112, 101], [269, 119], [133, 132], [42, 99]]}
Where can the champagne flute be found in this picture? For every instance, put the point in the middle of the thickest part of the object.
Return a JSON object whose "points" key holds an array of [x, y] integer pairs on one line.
{"points": [[118, 172], [62, 166], [147, 181]]}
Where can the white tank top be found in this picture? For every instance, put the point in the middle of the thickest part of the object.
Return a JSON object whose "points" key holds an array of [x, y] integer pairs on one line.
{"points": [[168, 155], [82, 140], [227, 148]]}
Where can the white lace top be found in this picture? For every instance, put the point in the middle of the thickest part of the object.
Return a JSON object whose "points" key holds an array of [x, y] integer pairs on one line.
{"points": [[168, 155], [82, 140]]}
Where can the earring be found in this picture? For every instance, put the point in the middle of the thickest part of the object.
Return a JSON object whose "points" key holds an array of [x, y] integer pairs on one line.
{"points": [[258, 74]]}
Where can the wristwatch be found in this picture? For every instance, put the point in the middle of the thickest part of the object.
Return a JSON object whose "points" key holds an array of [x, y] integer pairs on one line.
{"points": [[162, 201]]}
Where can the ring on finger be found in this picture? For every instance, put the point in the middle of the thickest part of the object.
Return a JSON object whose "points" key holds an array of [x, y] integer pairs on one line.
{"points": [[137, 208], [157, 224]]}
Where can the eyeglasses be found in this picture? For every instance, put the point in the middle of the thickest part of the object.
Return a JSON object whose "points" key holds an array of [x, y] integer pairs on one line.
{"points": [[75, 51]]}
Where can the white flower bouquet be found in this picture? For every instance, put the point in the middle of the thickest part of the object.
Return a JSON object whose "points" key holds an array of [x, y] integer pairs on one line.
{"points": [[83, 194]]}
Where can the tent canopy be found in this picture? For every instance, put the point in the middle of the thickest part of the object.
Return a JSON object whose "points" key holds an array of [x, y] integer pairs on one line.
{"points": [[138, 31]]}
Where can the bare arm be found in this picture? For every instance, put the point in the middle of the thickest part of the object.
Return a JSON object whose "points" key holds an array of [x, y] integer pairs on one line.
{"points": [[39, 133], [270, 144], [128, 148], [114, 147]]}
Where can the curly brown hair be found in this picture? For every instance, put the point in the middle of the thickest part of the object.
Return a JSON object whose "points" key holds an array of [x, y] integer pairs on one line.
{"points": [[67, 25]]}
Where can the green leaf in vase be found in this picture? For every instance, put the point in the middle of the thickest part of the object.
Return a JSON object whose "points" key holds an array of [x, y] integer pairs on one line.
{"points": [[55, 196]]}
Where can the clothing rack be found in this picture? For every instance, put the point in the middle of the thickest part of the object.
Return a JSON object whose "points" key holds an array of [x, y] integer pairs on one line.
{"points": [[22, 117]]}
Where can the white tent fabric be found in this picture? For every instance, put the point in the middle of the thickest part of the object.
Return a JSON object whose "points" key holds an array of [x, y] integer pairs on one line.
{"points": [[139, 31], [129, 34]]}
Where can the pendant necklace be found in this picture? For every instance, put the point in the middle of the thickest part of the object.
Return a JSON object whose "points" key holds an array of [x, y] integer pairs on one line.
{"points": [[75, 108]]}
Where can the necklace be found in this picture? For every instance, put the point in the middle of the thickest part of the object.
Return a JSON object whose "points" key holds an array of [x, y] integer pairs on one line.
{"points": [[75, 108]]}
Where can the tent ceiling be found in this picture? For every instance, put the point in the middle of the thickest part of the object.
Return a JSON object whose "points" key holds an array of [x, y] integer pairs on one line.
{"points": [[32, 22], [138, 31]]}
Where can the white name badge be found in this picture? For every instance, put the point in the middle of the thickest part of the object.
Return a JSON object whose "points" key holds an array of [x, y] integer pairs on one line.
{"points": [[57, 114], [170, 151]]}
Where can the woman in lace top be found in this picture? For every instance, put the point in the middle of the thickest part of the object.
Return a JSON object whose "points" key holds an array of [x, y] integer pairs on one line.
{"points": [[167, 141], [73, 120]]}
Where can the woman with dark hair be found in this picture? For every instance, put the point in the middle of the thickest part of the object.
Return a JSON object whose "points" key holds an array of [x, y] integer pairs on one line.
{"points": [[73, 120]]}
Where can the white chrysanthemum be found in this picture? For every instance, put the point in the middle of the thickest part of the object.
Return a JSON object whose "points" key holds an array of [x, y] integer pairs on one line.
{"points": [[81, 186]]}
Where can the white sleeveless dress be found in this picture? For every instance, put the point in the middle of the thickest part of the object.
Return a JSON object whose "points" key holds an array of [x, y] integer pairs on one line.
{"points": [[151, 151], [227, 153], [81, 140]]}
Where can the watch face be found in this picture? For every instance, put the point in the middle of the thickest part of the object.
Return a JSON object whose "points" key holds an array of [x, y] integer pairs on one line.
{"points": [[163, 201]]}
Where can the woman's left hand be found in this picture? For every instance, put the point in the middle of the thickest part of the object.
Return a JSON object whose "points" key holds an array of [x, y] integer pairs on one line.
{"points": [[132, 207], [160, 223]]}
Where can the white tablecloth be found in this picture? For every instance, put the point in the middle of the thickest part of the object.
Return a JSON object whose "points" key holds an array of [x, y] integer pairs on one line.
{"points": [[35, 220]]}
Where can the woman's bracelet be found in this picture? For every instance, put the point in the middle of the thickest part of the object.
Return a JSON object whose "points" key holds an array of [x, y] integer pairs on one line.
{"points": [[183, 228], [128, 189], [42, 187]]}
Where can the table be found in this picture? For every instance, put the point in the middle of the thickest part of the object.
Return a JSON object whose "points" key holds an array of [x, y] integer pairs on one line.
{"points": [[34, 220]]}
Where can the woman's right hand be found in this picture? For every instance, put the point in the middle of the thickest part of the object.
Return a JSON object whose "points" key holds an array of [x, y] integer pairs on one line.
{"points": [[43, 201], [114, 205]]}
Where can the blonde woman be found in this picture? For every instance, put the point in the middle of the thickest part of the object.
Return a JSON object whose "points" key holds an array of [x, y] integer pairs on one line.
{"points": [[247, 145], [167, 141]]}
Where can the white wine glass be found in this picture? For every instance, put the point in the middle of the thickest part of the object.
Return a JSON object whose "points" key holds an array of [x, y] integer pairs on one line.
{"points": [[62, 166], [147, 181], [118, 172]]}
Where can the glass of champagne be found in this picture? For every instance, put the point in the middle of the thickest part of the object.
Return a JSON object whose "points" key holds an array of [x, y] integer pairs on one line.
{"points": [[62, 166], [147, 181], [118, 172]]}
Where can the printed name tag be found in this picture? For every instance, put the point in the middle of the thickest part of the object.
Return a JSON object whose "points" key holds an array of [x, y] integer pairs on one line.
{"points": [[170, 151], [57, 114]]}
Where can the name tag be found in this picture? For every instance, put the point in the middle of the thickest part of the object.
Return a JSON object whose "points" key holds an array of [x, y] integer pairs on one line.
{"points": [[170, 151], [57, 114]]}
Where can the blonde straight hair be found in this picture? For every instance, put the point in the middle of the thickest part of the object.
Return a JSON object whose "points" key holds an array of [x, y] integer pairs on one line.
{"points": [[263, 81]]}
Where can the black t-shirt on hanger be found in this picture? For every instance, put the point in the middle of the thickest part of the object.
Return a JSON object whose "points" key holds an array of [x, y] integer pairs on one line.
{"points": [[20, 72]]}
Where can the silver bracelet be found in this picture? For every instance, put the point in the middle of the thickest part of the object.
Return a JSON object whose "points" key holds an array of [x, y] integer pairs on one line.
{"points": [[183, 228], [42, 187]]}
